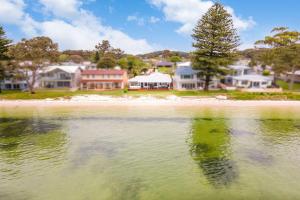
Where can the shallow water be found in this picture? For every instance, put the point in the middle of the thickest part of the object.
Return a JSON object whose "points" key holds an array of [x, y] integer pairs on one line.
{"points": [[149, 153]]}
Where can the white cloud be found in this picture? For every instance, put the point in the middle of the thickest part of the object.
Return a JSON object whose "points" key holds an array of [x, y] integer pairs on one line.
{"points": [[154, 20], [188, 12], [71, 26], [62, 8], [11, 11], [134, 18]]}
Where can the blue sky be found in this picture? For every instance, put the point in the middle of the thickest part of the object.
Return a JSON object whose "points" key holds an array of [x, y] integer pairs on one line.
{"points": [[138, 26]]}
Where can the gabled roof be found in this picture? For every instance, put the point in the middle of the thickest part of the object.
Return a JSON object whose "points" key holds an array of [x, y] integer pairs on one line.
{"points": [[185, 71], [103, 72], [297, 73], [184, 64], [239, 67], [66, 68], [155, 77], [164, 63]]}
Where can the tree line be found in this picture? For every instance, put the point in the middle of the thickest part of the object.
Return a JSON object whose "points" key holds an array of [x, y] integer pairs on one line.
{"points": [[215, 41], [25, 59]]}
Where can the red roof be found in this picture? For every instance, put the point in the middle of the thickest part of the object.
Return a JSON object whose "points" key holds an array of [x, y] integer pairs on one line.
{"points": [[103, 72]]}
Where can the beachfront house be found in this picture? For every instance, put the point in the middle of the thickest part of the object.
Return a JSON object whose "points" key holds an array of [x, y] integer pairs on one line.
{"points": [[103, 79], [13, 84], [243, 76], [61, 76], [252, 81], [153, 81], [288, 76], [186, 78]]}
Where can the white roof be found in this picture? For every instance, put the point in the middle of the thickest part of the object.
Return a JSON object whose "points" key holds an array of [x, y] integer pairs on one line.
{"points": [[252, 78], [295, 73], [184, 64], [239, 67], [155, 77], [66, 68]]}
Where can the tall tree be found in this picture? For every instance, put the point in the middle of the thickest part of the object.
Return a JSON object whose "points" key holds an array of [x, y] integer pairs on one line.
{"points": [[106, 62], [76, 59], [32, 56], [216, 42], [132, 64], [4, 44], [105, 48], [283, 45]]}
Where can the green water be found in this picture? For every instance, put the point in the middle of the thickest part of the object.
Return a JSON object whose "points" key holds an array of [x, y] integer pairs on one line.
{"points": [[149, 153]]}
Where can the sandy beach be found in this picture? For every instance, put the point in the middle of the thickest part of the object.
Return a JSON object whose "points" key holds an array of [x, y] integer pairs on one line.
{"points": [[97, 100]]}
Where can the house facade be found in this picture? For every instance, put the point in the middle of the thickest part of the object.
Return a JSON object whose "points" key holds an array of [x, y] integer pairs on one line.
{"points": [[105, 79], [153, 81], [11, 84], [288, 76], [63, 76], [244, 77], [186, 78], [252, 81]]}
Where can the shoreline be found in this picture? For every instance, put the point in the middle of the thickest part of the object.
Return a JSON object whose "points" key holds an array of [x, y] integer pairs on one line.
{"points": [[100, 101]]}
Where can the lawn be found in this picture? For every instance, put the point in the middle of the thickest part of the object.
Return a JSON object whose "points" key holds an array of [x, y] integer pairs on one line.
{"points": [[235, 95], [285, 85]]}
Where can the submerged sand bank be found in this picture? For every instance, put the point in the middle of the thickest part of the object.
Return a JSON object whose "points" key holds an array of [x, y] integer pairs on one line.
{"points": [[97, 100]]}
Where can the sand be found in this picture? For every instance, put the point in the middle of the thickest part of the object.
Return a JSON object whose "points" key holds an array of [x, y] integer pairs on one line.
{"points": [[97, 100]]}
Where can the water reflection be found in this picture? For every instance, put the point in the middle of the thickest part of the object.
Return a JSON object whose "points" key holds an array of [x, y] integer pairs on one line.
{"points": [[210, 148]]}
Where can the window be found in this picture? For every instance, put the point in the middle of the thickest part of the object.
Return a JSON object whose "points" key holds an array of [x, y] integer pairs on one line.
{"points": [[188, 86], [187, 76], [244, 82], [264, 83]]}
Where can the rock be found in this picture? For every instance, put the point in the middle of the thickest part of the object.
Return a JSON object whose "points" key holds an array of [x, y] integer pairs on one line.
{"points": [[221, 97]]}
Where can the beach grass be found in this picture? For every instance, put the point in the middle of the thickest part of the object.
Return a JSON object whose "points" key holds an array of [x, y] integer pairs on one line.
{"points": [[66, 94]]}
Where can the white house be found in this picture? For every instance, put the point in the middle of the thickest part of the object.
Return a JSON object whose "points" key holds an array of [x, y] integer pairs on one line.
{"points": [[288, 76], [252, 81], [186, 78], [244, 77], [11, 84], [61, 76], [152, 81]]}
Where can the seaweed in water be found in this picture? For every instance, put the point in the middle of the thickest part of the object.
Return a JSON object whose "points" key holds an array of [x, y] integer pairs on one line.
{"points": [[97, 148], [10, 127], [219, 171]]}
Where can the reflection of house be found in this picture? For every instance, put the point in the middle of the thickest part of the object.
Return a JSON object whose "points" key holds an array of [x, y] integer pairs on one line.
{"points": [[60, 76], [288, 77], [106, 79], [152, 81], [188, 79], [244, 77]]}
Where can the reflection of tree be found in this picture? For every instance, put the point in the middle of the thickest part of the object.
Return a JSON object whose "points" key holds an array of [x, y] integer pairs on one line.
{"points": [[30, 138], [210, 148]]}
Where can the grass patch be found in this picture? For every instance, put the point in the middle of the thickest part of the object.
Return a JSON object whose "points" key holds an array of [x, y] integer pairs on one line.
{"points": [[284, 85], [234, 95]]}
